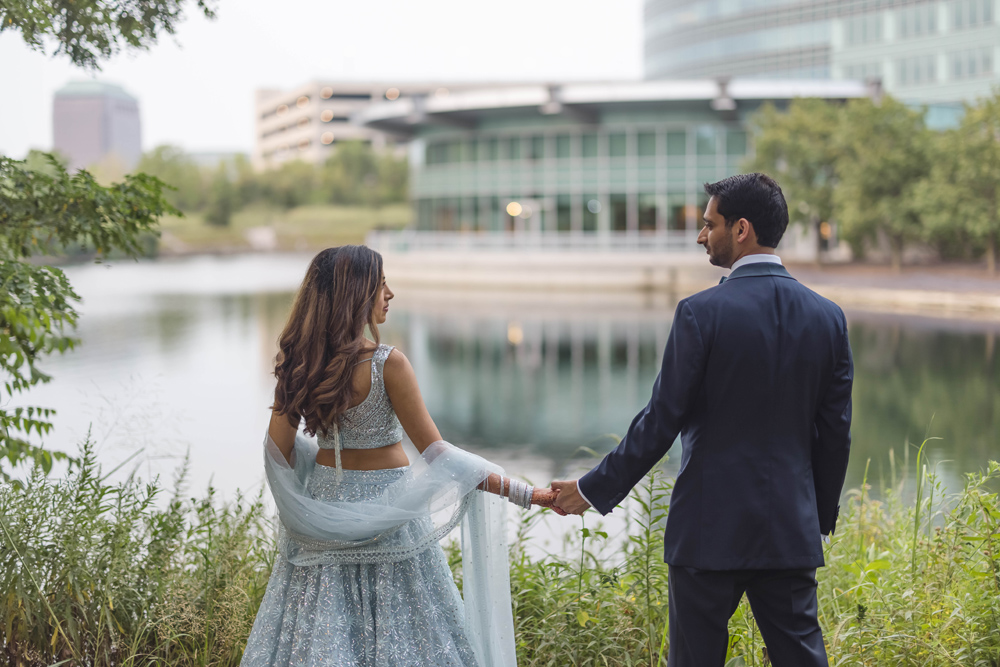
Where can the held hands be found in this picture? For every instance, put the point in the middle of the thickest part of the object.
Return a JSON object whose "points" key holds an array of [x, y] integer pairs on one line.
{"points": [[568, 499]]}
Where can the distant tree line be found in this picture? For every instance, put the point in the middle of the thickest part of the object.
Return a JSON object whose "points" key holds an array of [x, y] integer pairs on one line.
{"points": [[885, 178], [355, 174]]}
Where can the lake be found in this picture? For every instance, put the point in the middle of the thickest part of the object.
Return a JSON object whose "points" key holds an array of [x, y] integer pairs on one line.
{"points": [[176, 359]]}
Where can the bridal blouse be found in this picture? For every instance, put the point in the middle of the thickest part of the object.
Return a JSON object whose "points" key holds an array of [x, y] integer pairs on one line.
{"points": [[360, 578]]}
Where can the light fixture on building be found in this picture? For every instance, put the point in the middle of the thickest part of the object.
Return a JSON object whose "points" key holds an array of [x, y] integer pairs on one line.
{"points": [[441, 92], [326, 93], [327, 138], [326, 116], [304, 144], [594, 206], [303, 122], [302, 101], [515, 334], [392, 94], [282, 109], [514, 209]]}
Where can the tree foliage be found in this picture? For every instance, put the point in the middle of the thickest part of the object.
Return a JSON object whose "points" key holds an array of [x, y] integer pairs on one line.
{"points": [[41, 213], [88, 31]]}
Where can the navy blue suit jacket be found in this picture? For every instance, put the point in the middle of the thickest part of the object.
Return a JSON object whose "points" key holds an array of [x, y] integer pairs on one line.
{"points": [[756, 379]]}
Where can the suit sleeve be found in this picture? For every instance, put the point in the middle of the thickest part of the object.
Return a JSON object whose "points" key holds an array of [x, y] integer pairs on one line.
{"points": [[654, 429], [832, 445]]}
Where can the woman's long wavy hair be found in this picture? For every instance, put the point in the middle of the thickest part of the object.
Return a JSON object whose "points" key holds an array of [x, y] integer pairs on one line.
{"points": [[324, 336]]}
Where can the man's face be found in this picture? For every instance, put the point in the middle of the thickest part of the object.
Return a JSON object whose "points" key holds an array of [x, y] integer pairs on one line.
{"points": [[718, 239]]}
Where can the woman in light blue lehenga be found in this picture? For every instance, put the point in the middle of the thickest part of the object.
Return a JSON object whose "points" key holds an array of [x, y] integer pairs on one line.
{"points": [[360, 578]]}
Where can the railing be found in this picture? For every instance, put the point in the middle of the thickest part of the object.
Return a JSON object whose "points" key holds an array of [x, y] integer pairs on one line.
{"points": [[409, 240]]}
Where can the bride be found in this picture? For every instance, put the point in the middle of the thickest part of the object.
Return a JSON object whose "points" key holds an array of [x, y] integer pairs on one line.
{"points": [[361, 579]]}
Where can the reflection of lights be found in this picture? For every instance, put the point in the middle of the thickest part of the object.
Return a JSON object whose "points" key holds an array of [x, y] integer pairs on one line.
{"points": [[825, 231], [515, 334], [282, 109], [302, 101], [441, 92], [514, 209], [392, 94], [326, 116], [326, 93], [327, 138], [594, 206]]}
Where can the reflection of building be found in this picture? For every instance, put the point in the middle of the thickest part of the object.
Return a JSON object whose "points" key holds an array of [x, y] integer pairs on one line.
{"points": [[923, 51], [93, 122], [590, 159], [307, 122]]}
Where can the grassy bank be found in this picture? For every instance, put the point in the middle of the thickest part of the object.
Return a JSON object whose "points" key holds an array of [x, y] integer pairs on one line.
{"points": [[97, 574], [300, 228]]}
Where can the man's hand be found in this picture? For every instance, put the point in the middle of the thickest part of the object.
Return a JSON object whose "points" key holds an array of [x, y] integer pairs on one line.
{"points": [[569, 499]]}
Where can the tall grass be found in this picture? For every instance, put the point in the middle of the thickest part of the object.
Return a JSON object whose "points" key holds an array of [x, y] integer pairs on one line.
{"points": [[98, 574]]}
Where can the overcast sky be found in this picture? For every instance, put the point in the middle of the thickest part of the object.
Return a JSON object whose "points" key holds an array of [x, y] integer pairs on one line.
{"points": [[196, 88]]}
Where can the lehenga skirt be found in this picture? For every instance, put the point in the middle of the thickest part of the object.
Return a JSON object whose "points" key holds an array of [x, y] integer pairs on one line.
{"points": [[402, 614]]}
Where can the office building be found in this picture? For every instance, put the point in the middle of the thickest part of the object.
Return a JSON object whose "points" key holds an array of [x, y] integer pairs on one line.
{"points": [[93, 122], [935, 52]]}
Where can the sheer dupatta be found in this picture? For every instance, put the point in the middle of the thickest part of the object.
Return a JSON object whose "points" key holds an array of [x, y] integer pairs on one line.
{"points": [[435, 494]]}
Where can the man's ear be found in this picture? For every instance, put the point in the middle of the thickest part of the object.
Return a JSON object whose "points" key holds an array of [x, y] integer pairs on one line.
{"points": [[745, 231]]}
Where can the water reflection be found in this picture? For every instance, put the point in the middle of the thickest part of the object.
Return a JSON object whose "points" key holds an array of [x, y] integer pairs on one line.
{"points": [[170, 366]]}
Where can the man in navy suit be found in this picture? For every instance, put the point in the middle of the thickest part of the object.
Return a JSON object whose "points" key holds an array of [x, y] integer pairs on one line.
{"points": [[756, 379]]}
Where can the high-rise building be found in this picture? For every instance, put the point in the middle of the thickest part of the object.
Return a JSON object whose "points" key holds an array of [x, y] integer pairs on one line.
{"points": [[936, 52], [93, 121]]}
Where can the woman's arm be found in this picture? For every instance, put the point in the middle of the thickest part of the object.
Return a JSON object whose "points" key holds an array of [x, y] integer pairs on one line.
{"points": [[283, 434], [404, 393]]}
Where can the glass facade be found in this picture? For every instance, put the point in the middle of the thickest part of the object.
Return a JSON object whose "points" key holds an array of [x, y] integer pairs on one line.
{"points": [[923, 51], [639, 176]]}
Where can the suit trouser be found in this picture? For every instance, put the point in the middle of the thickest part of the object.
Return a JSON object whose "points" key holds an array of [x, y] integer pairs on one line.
{"points": [[783, 603]]}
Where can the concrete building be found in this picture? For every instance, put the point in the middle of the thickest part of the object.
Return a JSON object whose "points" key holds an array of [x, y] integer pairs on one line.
{"points": [[93, 122], [307, 122], [936, 52]]}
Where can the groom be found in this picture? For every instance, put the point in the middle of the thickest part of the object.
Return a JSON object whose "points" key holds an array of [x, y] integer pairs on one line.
{"points": [[756, 379]]}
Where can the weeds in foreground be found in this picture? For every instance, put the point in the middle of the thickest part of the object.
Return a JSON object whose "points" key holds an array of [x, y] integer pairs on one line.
{"points": [[97, 574]]}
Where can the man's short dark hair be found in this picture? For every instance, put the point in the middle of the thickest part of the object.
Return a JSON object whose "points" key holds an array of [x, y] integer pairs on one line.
{"points": [[756, 197]]}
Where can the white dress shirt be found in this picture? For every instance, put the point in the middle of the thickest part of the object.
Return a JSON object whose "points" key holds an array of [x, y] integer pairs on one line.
{"points": [[742, 261]]}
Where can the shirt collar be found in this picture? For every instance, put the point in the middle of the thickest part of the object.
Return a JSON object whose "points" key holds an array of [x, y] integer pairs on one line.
{"points": [[755, 259]]}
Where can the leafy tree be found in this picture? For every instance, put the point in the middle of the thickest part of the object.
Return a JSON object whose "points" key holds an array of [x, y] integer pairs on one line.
{"points": [[89, 31], [175, 168], [885, 156], [221, 199], [43, 209], [962, 194], [40, 213], [797, 148]]}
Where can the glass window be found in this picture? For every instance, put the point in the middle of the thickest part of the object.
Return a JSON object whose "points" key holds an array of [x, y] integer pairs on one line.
{"points": [[563, 213], [646, 144], [676, 143], [562, 146], [471, 151], [616, 144], [619, 213], [591, 209], [705, 141], [588, 145], [491, 149], [676, 211], [647, 212], [514, 148], [537, 148], [736, 142]]}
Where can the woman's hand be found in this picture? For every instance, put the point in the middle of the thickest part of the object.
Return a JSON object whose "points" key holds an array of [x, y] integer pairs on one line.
{"points": [[543, 497]]}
